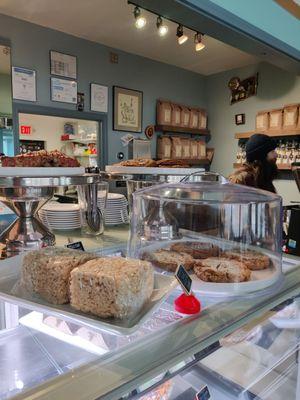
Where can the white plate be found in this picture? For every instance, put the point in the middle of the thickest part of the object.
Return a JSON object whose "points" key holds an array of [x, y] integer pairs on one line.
{"points": [[40, 171], [115, 196], [10, 274], [61, 207], [259, 279]]}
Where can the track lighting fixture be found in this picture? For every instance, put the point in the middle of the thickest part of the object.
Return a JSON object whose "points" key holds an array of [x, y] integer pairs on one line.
{"points": [[181, 37], [199, 45], [140, 21], [162, 29]]}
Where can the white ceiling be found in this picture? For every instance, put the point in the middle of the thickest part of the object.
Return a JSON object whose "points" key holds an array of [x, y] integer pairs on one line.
{"points": [[111, 22], [4, 60]]}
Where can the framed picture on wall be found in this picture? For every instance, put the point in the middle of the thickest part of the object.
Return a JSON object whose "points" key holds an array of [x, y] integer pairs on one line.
{"points": [[23, 84], [127, 109], [63, 90], [63, 65], [99, 98]]}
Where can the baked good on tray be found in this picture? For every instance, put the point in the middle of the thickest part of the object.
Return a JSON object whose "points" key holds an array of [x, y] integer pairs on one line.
{"points": [[197, 250], [169, 260], [138, 162], [47, 272], [111, 287], [221, 270], [171, 162], [252, 259], [40, 158]]}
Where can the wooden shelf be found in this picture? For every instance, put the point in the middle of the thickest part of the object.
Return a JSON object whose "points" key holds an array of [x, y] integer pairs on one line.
{"points": [[179, 129], [281, 167], [290, 132]]}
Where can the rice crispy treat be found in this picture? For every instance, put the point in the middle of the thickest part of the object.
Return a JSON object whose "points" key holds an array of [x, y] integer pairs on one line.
{"points": [[221, 270], [197, 250], [169, 260], [252, 259], [111, 287], [47, 272]]}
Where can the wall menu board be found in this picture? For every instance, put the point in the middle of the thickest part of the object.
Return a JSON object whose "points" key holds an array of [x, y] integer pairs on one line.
{"points": [[63, 65], [23, 84], [63, 90]]}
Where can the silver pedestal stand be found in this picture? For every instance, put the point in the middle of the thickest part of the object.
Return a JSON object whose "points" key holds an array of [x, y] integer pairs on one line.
{"points": [[25, 196]]}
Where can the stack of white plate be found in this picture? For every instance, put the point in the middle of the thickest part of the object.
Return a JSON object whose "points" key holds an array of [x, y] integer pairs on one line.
{"points": [[115, 210], [61, 216]]}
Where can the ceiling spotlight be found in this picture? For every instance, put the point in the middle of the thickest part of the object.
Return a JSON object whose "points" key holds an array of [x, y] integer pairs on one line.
{"points": [[181, 37], [198, 42], [162, 29], [140, 21]]}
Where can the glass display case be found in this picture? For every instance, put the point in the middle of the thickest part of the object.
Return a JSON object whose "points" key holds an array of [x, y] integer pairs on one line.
{"points": [[227, 235], [171, 356]]}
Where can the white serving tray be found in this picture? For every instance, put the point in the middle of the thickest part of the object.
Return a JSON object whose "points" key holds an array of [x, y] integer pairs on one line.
{"points": [[259, 280], [10, 274], [41, 171], [116, 169]]}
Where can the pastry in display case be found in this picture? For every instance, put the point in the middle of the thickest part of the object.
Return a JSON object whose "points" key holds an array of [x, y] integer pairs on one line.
{"points": [[227, 236]]}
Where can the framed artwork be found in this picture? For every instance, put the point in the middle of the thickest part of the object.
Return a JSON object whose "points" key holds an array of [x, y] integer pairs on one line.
{"points": [[63, 65], [242, 89], [23, 84], [63, 90], [99, 98], [240, 119], [127, 109]]}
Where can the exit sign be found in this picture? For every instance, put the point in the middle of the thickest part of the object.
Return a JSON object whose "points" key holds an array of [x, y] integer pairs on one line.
{"points": [[25, 129]]}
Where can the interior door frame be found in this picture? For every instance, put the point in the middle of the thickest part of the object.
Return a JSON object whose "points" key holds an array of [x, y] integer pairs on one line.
{"points": [[101, 118]]}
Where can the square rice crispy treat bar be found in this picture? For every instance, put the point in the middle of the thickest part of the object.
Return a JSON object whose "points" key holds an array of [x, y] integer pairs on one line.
{"points": [[47, 272], [112, 287]]}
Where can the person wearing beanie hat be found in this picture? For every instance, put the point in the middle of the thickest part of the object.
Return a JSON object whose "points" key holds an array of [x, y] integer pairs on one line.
{"points": [[260, 169]]}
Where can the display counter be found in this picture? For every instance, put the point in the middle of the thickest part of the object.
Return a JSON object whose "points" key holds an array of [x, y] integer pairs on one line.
{"points": [[43, 357]]}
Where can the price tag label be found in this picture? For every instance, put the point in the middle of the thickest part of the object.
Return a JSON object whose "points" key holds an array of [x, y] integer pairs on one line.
{"points": [[184, 279], [75, 246], [203, 394]]}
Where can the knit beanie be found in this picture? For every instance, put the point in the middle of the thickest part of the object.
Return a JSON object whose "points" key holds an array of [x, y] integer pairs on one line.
{"points": [[258, 146]]}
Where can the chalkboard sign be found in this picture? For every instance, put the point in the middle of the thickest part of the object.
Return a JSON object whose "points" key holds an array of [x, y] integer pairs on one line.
{"points": [[75, 246], [203, 394], [184, 279]]}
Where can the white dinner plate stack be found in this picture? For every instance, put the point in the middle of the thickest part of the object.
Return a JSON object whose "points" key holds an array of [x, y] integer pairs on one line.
{"points": [[115, 210], [60, 216]]}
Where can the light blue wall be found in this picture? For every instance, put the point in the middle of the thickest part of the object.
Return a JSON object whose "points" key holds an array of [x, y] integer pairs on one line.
{"points": [[275, 89], [266, 15], [5, 94], [30, 48]]}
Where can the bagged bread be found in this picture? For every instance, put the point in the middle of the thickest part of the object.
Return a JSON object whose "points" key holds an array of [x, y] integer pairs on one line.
{"points": [[194, 117], [185, 148], [193, 149], [175, 115], [290, 116], [262, 121], [201, 149], [163, 112], [275, 119], [164, 145], [202, 119], [176, 150], [185, 116]]}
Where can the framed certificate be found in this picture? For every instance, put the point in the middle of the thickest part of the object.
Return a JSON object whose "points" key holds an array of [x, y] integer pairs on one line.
{"points": [[23, 84], [99, 98], [63, 90], [63, 65]]}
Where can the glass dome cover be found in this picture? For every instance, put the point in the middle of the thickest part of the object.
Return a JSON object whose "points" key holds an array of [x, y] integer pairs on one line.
{"points": [[227, 235]]}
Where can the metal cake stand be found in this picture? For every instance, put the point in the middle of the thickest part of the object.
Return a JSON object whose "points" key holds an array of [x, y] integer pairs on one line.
{"points": [[25, 196]]}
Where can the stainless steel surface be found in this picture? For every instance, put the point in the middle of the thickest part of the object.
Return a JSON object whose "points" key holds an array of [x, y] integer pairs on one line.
{"points": [[25, 196]]}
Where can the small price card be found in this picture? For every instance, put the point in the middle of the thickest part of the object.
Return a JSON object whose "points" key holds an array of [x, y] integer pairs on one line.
{"points": [[184, 279], [203, 394], [75, 246]]}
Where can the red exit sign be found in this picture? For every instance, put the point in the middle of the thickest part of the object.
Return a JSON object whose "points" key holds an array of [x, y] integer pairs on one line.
{"points": [[25, 129]]}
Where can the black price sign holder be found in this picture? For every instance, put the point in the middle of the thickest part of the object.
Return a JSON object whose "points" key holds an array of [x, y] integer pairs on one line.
{"points": [[203, 394], [186, 303], [75, 246]]}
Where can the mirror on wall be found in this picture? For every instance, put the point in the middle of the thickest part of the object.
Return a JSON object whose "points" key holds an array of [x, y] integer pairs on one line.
{"points": [[6, 128]]}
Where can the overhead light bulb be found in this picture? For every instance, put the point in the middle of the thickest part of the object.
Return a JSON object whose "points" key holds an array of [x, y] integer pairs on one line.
{"points": [[162, 29], [181, 37], [140, 21], [199, 45]]}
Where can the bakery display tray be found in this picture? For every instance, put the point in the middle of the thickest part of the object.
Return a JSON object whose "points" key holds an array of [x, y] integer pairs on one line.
{"points": [[41, 171], [116, 169], [10, 270]]}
